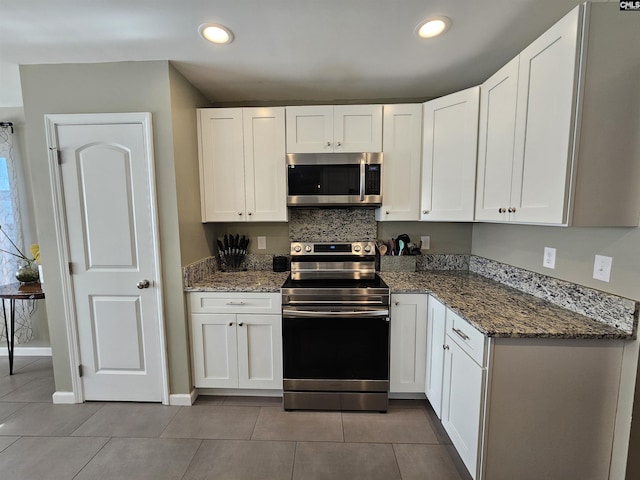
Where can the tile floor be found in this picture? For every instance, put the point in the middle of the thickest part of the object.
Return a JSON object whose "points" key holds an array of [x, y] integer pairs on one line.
{"points": [[221, 438]]}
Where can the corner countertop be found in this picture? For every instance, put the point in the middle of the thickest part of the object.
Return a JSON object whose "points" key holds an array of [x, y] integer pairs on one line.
{"points": [[249, 281], [500, 311]]}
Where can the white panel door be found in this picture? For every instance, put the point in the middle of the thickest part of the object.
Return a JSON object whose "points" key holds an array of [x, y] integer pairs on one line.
{"points": [[107, 181], [408, 343], [357, 128], [498, 98], [310, 129], [449, 160], [544, 124], [264, 160], [260, 351], [402, 141], [436, 333], [214, 350], [221, 164]]}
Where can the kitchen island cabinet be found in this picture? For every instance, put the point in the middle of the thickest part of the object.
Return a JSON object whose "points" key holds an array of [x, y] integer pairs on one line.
{"points": [[242, 170], [401, 147], [555, 145], [333, 129], [236, 340]]}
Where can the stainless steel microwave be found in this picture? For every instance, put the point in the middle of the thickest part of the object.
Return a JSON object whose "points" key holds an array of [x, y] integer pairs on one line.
{"points": [[334, 179]]}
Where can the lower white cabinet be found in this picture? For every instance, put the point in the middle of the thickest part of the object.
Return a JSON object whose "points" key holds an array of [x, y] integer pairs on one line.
{"points": [[241, 347], [436, 341], [408, 348]]}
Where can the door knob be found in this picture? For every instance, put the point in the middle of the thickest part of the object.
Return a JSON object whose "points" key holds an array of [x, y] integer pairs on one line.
{"points": [[143, 284]]}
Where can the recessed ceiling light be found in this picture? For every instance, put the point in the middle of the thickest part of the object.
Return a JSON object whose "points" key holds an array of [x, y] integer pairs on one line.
{"points": [[433, 26], [216, 33]]}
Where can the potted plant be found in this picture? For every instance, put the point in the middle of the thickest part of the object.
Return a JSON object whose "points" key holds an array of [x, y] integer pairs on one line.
{"points": [[27, 271]]}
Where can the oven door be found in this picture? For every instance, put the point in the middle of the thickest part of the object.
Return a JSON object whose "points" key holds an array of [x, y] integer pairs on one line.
{"points": [[336, 348]]}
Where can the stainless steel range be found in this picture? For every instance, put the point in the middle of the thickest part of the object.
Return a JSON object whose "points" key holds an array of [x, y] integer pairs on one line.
{"points": [[335, 319]]}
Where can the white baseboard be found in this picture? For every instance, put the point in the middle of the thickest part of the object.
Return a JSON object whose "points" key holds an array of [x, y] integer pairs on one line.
{"points": [[26, 351], [239, 392], [64, 398], [183, 399]]}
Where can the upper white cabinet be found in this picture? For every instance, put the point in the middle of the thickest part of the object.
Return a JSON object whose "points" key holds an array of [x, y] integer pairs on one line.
{"points": [[340, 128], [401, 145], [408, 346], [449, 157], [556, 146], [242, 168]]}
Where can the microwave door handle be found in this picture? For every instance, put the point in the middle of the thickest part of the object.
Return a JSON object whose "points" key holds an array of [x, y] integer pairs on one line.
{"points": [[362, 179]]}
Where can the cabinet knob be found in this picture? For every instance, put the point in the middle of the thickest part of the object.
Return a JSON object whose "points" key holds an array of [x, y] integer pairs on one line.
{"points": [[241, 324], [445, 347], [396, 303], [512, 209], [425, 212], [231, 324], [502, 210], [339, 144], [386, 212], [328, 144], [249, 213], [240, 213]]}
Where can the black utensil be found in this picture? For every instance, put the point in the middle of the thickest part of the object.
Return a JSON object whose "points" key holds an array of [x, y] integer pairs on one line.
{"points": [[220, 246], [226, 243]]}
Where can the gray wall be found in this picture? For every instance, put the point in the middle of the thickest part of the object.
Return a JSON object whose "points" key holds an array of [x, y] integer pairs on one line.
{"points": [[106, 88], [523, 246]]}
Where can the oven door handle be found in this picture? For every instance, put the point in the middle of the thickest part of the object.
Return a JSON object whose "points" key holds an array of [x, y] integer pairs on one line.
{"points": [[347, 313]]}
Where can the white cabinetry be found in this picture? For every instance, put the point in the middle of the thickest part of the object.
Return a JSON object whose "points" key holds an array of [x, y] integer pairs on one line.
{"points": [[236, 340], [340, 128], [408, 346], [463, 388], [549, 152], [449, 157], [242, 168], [436, 340], [401, 145]]}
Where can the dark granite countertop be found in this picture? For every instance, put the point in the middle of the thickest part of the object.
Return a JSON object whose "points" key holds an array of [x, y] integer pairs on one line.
{"points": [[498, 310]]}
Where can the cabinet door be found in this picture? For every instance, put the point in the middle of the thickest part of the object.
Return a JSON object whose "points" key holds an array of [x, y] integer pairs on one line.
{"points": [[221, 164], [462, 403], [310, 129], [402, 139], [449, 157], [260, 351], [436, 318], [214, 351], [357, 128], [545, 124], [408, 343], [264, 160], [496, 134]]}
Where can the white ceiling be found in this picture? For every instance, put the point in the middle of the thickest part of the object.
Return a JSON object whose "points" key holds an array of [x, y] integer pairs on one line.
{"points": [[286, 51]]}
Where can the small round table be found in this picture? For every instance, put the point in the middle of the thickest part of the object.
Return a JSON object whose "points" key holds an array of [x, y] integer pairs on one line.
{"points": [[13, 292]]}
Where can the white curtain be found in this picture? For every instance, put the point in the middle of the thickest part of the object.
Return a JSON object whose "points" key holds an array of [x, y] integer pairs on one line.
{"points": [[11, 222]]}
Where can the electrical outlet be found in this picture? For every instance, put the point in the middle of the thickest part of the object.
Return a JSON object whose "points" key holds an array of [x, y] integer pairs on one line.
{"points": [[549, 259], [602, 268], [262, 243], [425, 242]]}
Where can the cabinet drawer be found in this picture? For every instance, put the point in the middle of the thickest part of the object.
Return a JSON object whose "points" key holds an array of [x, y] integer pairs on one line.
{"points": [[231, 302], [466, 336]]}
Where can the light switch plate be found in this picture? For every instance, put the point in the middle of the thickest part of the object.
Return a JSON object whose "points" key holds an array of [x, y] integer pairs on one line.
{"points": [[262, 243], [425, 242], [602, 268], [549, 258]]}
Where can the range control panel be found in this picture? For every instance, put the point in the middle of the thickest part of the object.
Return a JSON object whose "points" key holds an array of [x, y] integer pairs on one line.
{"points": [[333, 248]]}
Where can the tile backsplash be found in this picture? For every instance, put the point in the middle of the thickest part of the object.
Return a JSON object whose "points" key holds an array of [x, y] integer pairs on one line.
{"points": [[332, 224]]}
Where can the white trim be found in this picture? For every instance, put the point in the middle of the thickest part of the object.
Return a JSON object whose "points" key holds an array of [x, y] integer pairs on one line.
{"points": [[64, 398], [183, 399], [27, 352], [240, 392], [144, 119]]}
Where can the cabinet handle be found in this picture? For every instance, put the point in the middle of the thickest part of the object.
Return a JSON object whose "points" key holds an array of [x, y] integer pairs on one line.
{"points": [[240, 213], [425, 212], [461, 334], [512, 209], [339, 144], [396, 303], [241, 324], [328, 144], [231, 324], [235, 303], [387, 212], [445, 347], [249, 213], [502, 210]]}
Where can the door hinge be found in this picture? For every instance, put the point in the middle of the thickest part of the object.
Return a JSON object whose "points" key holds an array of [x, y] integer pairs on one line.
{"points": [[70, 268], [58, 156], [80, 370]]}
